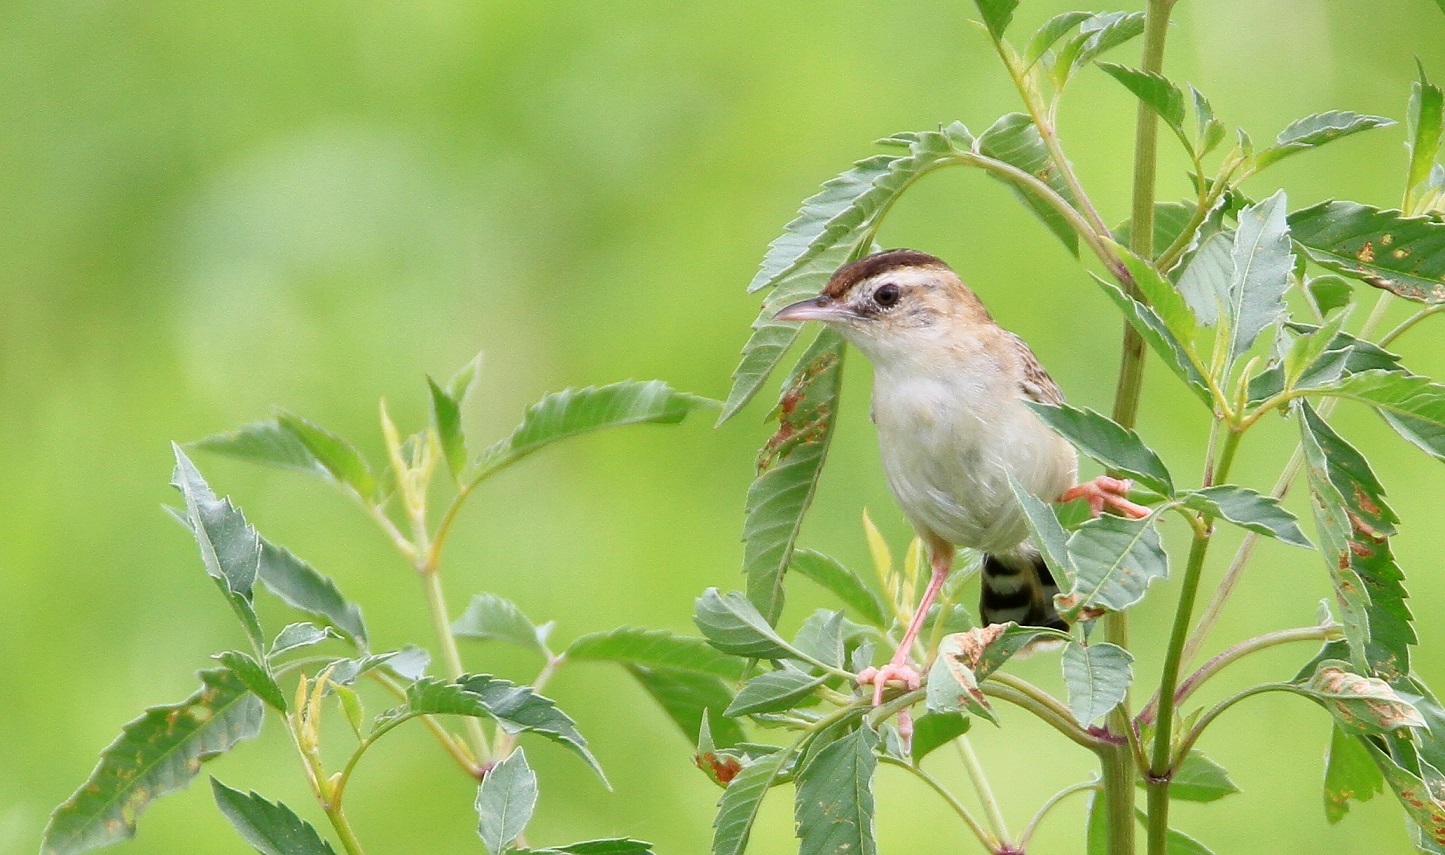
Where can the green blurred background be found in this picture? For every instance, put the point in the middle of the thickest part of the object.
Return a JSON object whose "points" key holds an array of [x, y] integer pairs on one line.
{"points": [[213, 208]]}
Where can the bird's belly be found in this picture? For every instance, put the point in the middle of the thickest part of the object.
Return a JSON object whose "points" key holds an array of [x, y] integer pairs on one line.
{"points": [[949, 465]]}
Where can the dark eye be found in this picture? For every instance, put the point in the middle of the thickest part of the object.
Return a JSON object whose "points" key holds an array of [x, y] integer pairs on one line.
{"points": [[887, 295]]}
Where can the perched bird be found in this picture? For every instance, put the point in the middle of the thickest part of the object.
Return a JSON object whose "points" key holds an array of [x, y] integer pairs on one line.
{"points": [[949, 393]]}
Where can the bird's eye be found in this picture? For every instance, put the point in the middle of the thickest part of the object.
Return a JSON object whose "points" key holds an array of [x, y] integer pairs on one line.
{"points": [[887, 295]]}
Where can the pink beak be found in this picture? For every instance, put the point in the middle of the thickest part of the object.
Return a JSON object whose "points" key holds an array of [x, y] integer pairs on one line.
{"points": [[820, 308]]}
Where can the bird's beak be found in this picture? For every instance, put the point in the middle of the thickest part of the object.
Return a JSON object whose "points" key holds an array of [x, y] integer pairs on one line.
{"points": [[820, 308]]}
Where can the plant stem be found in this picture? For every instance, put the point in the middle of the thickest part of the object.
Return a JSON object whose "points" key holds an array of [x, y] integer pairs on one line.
{"points": [[1186, 743], [1065, 725], [1410, 322], [980, 785], [507, 741], [989, 842], [451, 657], [343, 829], [1033, 825], [1253, 645], [1160, 767]]}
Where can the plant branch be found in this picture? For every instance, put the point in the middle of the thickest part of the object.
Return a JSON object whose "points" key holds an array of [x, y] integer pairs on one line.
{"points": [[1033, 825], [979, 780], [451, 657], [339, 822], [1409, 322], [1064, 724], [989, 842], [1187, 742]]}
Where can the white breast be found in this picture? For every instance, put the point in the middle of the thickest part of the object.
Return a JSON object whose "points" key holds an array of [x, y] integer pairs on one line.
{"points": [[950, 440]]}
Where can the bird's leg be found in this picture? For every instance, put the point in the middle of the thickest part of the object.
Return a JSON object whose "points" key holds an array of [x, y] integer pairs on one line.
{"points": [[1103, 492], [940, 559]]}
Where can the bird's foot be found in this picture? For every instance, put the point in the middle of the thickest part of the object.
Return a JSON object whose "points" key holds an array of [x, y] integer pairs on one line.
{"points": [[893, 672], [1104, 492]]}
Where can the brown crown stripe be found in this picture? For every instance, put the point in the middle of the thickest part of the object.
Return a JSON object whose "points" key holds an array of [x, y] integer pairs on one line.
{"points": [[866, 268]]}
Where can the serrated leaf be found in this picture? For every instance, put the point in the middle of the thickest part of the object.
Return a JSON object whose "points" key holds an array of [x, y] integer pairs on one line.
{"points": [[1170, 219], [1204, 281], [1248, 509], [1355, 524], [255, 677], [1360, 705], [335, 454], [1423, 125], [934, 730], [789, 467], [1316, 130], [515, 708], [295, 636], [446, 413], [1329, 293], [1156, 334], [1155, 90], [230, 549], [1350, 774], [266, 443], [505, 801], [609, 846], [1097, 35], [489, 617], [270, 828], [1414, 792], [835, 226], [571, 412], [1198, 779], [409, 663], [1306, 354], [1114, 446], [655, 648], [1053, 29], [156, 754], [1262, 262], [733, 625], [689, 696], [1402, 255], [739, 804], [1115, 559], [1014, 140], [996, 15], [833, 813], [1097, 677], [1394, 393], [1048, 534], [300, 586], [774, 691], [844, 583]]}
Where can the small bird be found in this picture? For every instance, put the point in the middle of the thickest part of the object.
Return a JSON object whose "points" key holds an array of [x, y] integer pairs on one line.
{"points": [[949, 393]]}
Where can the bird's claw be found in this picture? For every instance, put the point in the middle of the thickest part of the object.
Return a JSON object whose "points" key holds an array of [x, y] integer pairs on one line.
{"points": [[1103, 492], [899, 672]]}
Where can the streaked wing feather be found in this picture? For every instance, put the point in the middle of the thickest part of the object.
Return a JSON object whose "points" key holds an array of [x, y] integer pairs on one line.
{"points": [[1037, 385]]}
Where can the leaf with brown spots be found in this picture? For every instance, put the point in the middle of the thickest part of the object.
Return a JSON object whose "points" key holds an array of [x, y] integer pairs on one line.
{"points": [[1400, 254], [833, 813], [156, 754], [1360, 705]]}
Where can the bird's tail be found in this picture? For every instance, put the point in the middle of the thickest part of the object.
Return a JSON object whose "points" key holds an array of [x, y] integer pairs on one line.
{"points": [[1019, 587]]}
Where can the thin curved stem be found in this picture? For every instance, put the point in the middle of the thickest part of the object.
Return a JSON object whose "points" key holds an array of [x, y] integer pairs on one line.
{"points": [[1067, 726], [985, 837], [1033, 825], [979, 779], [1187, 742], [1409, 322], [451, 657], [450, 743]]}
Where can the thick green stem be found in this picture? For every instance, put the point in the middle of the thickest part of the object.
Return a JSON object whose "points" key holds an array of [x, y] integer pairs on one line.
{"points": [[451, 657], [343, 829]]}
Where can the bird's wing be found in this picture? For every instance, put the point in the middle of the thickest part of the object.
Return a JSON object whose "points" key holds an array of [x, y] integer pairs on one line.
{"points": [[1037, 385]]}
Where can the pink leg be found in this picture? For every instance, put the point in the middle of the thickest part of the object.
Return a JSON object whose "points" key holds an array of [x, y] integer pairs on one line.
{"points": [[941, 559], [1103, 492]]}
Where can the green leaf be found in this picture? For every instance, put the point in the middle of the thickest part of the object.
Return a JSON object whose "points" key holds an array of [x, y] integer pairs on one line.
{"points": [[1209, 131], [1155, 90], [1199, 779], [833, 813], [1170, 219], [1414, 792], [610, 846], [689, 696], [446, 414], [301, 587], [338, 457], [1204, 282], [843, 582], [996, 15], [733, 625], [1350, 773], [1261, 273], [774, 691], [1097, 35], [1053, 29], [966, 659], [272, 828], [1402, 255], [789, 467], [1114, 446], [1115, 559], [1014, 140], [1423, 124], [1413, 405], [935, 730], [295, 636], [492, 618], [655, 648], [1164, 298], [1047, 533], [1306, 354], [255, 677], [1176, 842], [571, 412], [1248, 509], [1098, 678], [1316, 130], [156, 754], [1329, 293], [409, 663], [740, 802], [230, 549], [1360, 705], [1156, 333], [264, 442], [515, 708], [505, 801], [835, 226]]}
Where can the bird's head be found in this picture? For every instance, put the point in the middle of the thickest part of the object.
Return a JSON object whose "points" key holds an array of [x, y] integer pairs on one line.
{"points": [[896, 304]]}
